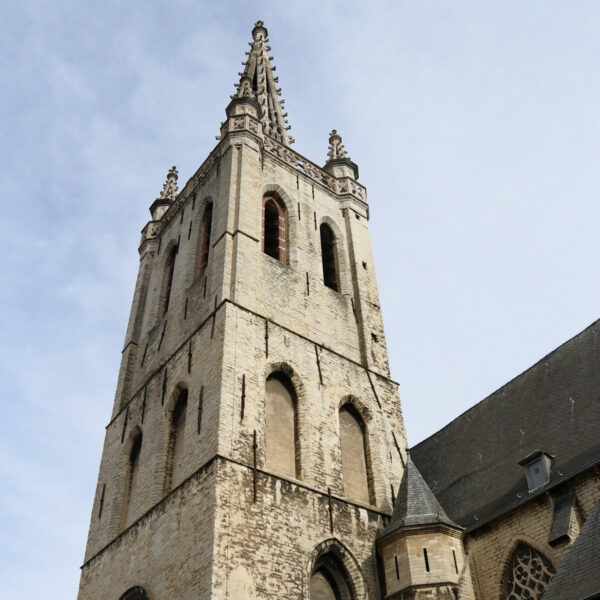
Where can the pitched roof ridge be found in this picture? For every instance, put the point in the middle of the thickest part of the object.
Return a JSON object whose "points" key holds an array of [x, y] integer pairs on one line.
{"points": [[489, 396]]}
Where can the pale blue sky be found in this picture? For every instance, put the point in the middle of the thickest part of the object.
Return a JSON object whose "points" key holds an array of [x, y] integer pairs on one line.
{"points": [[476, 129]]}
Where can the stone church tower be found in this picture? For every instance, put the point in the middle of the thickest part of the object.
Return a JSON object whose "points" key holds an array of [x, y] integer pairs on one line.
{"points": [[256, 442]]}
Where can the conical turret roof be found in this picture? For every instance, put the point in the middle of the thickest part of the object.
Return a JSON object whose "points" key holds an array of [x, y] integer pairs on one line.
{"points": [[416, 503], [258, 83]]}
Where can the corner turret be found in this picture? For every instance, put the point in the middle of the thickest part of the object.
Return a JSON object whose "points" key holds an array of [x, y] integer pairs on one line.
{"points": [[421, 548], [338, 162]]}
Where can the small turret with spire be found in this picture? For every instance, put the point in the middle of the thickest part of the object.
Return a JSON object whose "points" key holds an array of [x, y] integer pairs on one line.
{"points": [[167, 195], [421, 547], [338, 162]]}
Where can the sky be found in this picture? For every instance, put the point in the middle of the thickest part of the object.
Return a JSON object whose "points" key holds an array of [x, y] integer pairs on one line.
{"points": [[476, 129]]}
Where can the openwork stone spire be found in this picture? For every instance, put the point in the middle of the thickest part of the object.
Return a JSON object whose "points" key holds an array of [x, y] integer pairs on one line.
{"points": [[336, 148], [169, 191], [258, 83]]}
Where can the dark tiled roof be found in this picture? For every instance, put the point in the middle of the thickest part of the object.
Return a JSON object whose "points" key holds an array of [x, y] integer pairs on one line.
{"points": [[578, 577], [416, 504], [472, 465]]}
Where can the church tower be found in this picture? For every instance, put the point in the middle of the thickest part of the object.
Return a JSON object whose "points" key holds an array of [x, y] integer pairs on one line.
{"points": [[256, 441]]}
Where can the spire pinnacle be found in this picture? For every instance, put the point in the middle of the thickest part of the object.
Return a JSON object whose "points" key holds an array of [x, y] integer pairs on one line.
{"points": [[258, 83], [338, 162], [167, 195], [336, 148], [169, 191]]}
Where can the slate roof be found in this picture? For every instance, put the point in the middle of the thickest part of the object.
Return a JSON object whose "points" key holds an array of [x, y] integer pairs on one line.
{"points": [[578, 577], [472, 464], [416, 504]]}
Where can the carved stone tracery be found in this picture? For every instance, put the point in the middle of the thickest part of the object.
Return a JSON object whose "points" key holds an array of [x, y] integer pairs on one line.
{"points": [[530, 574]]}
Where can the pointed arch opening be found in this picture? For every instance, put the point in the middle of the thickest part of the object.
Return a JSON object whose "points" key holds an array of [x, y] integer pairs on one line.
{"points": [[355, 465], [131, 480], [329, 258], [329, 576], [206, 231], [170, 269], [274, 242], [175, 451], [281, 443], [529, 574], [135, 593]]}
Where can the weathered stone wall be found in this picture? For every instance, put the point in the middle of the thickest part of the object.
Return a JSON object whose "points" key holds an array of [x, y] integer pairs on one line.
{"points": [[407, 547], [169, 551], [226, 329], [265, 549]]}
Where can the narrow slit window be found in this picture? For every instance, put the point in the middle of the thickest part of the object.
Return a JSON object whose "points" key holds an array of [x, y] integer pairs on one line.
{"points": [[455, 563], [169, 278], [397, 568], [426, 559], [330, 275], [131, 484], [206, 228]]}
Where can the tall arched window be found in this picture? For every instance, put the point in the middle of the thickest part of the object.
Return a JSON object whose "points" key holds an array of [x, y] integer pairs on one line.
{"points": [[354, 455], [206, 227], [175, 466], [274, 228], [169, 278], [133, 467], [281, 442], [330, 272], [329, 580], [530, 573]]}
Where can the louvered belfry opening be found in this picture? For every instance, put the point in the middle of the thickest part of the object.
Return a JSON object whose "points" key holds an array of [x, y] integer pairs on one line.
{"points": [[330, 276], [274, 229]]}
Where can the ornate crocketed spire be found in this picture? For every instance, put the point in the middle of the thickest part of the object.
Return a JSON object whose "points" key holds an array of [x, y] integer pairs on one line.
{"points": [[169, 191], [258, 83], [336, 148]]}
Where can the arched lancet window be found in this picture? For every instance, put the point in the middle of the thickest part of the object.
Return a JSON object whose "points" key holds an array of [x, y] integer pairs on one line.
{"points": [[529, 575], [135, 593], [329, 580], [274, 228], [169, 278], [133, 467], [330, 272], [281, 444], [354, 455], [176, 440], [206, 228]]}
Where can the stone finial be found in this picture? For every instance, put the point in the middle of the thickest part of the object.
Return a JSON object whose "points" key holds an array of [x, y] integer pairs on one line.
{"points": [[259, 32], [169, 191], [336, 148]]}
